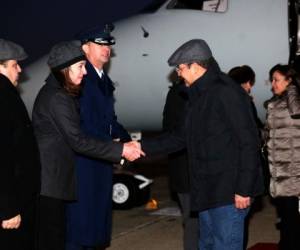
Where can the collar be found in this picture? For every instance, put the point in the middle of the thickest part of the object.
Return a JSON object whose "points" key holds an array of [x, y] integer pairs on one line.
{"points": [[92, 72], [51, 80], [203, 83], [274, 98], [100, 72], [7, 83]]}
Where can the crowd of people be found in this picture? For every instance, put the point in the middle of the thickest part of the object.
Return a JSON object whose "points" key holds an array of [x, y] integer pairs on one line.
{"points": [[56, 170]]}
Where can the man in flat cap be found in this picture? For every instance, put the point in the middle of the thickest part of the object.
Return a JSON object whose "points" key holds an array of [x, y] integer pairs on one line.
{"points": [[89, 219], [222, 144], [19, 164]]}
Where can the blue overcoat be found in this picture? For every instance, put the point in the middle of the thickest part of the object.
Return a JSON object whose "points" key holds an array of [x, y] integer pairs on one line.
{"points": [[89, 218]]}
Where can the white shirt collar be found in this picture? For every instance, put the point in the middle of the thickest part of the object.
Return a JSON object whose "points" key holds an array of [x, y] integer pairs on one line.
{"points": [[99, 72]]}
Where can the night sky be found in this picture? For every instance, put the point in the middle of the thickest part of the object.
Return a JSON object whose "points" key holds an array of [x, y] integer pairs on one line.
{"points": [[38, 24]]}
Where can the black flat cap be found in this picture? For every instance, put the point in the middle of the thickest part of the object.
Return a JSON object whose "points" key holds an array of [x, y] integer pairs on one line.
{"points": [[64, 54], [191, 51], [99, 34], [11, 51]]}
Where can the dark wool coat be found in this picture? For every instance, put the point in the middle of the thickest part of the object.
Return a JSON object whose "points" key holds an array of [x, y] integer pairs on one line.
{"points": [[57, 127], [222, 142], [19, 167], [89, 218], [173, 116]]}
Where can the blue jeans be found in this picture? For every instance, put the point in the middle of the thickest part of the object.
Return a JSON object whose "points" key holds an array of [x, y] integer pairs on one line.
{"points": [[222, 228]]}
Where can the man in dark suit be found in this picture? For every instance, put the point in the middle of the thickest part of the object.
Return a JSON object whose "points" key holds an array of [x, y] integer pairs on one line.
{"points": [[19, 166]]}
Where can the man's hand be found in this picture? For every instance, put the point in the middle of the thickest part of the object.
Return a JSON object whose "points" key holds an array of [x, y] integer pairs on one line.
{"points": [[241, 202], [12, 223], [132, 150]]}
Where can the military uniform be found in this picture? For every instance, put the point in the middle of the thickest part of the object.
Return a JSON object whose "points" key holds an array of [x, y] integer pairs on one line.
{"points": [[89, 218]]}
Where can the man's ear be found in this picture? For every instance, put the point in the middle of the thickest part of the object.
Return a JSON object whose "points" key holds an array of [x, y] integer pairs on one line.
{"points": [[193, 67], [85, 48], [196, 68]]}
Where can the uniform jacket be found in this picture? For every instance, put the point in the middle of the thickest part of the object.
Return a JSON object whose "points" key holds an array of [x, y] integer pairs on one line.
{"points": [[222, 142], [97, 111], [57, 127], [283, 124], [173, 116], [19, 167], [89, 219]]}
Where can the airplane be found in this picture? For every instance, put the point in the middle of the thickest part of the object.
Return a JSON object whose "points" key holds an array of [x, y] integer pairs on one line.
{"points": [[253, 32], [259, 33]]}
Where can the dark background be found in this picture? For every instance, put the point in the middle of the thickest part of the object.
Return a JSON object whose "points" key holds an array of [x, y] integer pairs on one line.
{"points": [[39, 24]]}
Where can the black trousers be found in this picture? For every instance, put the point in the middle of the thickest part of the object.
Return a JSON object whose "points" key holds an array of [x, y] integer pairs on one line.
{"points": [[22, 238], [287, 208], [73, 246], [190, 223], [51, 224]]}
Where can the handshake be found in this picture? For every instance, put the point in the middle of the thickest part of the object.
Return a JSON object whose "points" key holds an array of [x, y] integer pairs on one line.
{"points": [[132, 150]]}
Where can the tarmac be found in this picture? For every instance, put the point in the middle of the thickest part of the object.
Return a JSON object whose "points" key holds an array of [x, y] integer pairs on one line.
{"points": [[161, 229]]}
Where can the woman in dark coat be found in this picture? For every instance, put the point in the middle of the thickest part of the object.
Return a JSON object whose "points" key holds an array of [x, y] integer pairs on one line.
{"points": [[56, 123], [89, 219]]}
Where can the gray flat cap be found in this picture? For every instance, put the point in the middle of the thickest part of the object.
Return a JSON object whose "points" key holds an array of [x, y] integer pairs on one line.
{"points": [[191, 51], [11, 51], [64, 54]]}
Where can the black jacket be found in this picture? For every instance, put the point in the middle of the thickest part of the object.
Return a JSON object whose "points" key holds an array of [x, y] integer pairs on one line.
{"points": [[57, 127], [19, 166], [222, 142]]}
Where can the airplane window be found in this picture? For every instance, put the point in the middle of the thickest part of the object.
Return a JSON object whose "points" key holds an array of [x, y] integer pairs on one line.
{"points": [[204, 5]]}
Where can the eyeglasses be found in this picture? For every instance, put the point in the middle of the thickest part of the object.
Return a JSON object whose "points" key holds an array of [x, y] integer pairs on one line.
{"points": [[179, 69]]}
